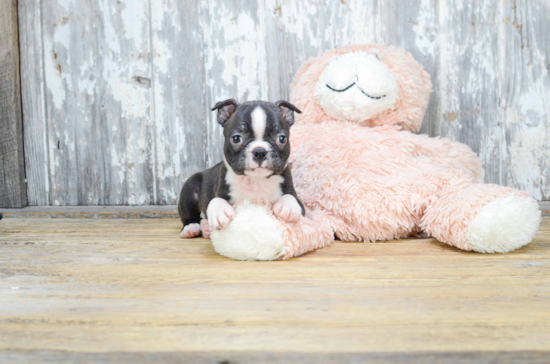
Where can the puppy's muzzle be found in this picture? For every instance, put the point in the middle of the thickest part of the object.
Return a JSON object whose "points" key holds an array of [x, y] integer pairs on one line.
{"points": [[259, 155]]}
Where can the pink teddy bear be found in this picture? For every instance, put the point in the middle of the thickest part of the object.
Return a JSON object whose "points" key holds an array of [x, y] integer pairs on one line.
{"points": [[363, 175]]}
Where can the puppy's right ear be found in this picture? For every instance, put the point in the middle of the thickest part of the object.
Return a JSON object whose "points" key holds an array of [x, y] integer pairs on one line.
{"points": [[287, 111], [225, 110]]}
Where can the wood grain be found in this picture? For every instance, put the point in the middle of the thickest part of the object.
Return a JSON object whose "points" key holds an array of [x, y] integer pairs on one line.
{"points": [[524, 95], [13, 189], [125, 110], [468, 69], [116, 95], [85, 288], [33, 100], [91, 144], [415, 28], [181, 109], [68, 44], [483, 357]]}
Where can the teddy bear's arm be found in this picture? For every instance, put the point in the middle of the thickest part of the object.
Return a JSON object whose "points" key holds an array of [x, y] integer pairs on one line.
{"points": [[451, 155]]}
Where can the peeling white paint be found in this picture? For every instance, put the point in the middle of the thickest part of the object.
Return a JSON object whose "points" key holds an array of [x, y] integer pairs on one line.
{"points": [[177, 164], [133, 101], [111, 35], [423, 31], [132, 20], [235, 49], [527, 151]]}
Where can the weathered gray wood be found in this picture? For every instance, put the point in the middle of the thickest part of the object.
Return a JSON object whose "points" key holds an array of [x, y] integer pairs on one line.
{"points": [[97, 92], [13, 191], [181, 112], [525, 96], [68, 44], [117, 98], [33, 102], [125, 107], [468, 78], [415, 28]]}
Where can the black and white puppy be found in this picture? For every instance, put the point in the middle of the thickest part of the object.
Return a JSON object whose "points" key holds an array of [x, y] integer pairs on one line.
{"points": [[256, 151]]}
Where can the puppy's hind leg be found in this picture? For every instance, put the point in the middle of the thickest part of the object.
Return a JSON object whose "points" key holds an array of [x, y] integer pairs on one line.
{"points": [[188, 206]]}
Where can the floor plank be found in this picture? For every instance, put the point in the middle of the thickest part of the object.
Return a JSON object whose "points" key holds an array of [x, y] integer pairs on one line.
{"points": [[121, 212], [118, 288]]}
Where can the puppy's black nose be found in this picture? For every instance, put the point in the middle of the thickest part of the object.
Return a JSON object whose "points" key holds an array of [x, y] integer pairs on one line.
{"points": [[259, 154]]}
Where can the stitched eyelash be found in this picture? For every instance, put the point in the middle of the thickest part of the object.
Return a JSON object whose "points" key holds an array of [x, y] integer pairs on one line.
{"points": [[347, 88], [335, 90], [372, 97]]}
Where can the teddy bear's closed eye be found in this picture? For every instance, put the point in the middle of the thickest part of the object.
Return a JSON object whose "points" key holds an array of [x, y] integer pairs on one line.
{"points": [[356, 87], [353, 84]]}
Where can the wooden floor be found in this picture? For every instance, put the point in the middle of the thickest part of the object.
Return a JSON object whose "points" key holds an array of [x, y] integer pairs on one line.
{"points": [[88, 290]]}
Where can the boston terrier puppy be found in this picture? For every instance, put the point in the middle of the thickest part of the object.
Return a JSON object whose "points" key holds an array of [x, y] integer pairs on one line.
{"points": [[254, 167]]}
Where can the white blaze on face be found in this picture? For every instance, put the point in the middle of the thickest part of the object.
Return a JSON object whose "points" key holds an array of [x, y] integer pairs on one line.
{"points": [[259, 121], [356, 87]]}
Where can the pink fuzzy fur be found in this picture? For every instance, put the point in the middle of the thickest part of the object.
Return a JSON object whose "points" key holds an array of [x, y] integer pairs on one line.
{"points": [[375, 180], [310, 233]]}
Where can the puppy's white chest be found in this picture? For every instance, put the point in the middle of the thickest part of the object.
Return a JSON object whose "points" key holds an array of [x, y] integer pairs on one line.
{"points": [[243, 187]]}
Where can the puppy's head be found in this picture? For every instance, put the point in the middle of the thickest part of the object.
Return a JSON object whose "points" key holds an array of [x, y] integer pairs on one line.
{"points": [[256, 136]]}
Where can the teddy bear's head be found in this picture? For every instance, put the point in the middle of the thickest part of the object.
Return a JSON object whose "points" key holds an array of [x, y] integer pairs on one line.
{"points": [[370, 85]]}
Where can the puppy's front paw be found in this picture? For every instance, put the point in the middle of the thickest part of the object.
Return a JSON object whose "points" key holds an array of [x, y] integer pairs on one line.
{"points": [[219, 213], [287, 208], [190, 231]]}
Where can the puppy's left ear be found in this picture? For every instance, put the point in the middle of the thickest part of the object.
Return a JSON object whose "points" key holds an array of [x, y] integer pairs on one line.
{"points": [[225, 110], [287, 111]]}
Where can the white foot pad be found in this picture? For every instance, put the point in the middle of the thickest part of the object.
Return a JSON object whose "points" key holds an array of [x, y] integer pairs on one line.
{"points": [[504, 224]]}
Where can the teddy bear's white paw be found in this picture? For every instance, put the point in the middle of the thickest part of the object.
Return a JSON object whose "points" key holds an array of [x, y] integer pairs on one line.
{"points": [[504, 225], [252, 235]]}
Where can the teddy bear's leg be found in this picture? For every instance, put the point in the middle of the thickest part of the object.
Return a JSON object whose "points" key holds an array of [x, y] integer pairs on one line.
{"points": [[484, 218], [310, 233], [257, 234], [254, 234]]}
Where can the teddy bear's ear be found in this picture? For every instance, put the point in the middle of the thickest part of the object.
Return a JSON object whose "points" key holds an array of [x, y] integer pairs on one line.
{"points": [[287, 111], [225, 110]]}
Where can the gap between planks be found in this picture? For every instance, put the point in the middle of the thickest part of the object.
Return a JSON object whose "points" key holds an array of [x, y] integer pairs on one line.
{"points": [[122, 212]]}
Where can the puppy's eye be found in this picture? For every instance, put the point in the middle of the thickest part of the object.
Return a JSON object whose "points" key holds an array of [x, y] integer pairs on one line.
{"points": [[282, 139], [236, 139]]}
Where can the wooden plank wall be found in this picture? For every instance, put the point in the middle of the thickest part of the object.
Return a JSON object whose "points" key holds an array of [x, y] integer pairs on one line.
{"points": [[13, 191], [116, 95]]}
